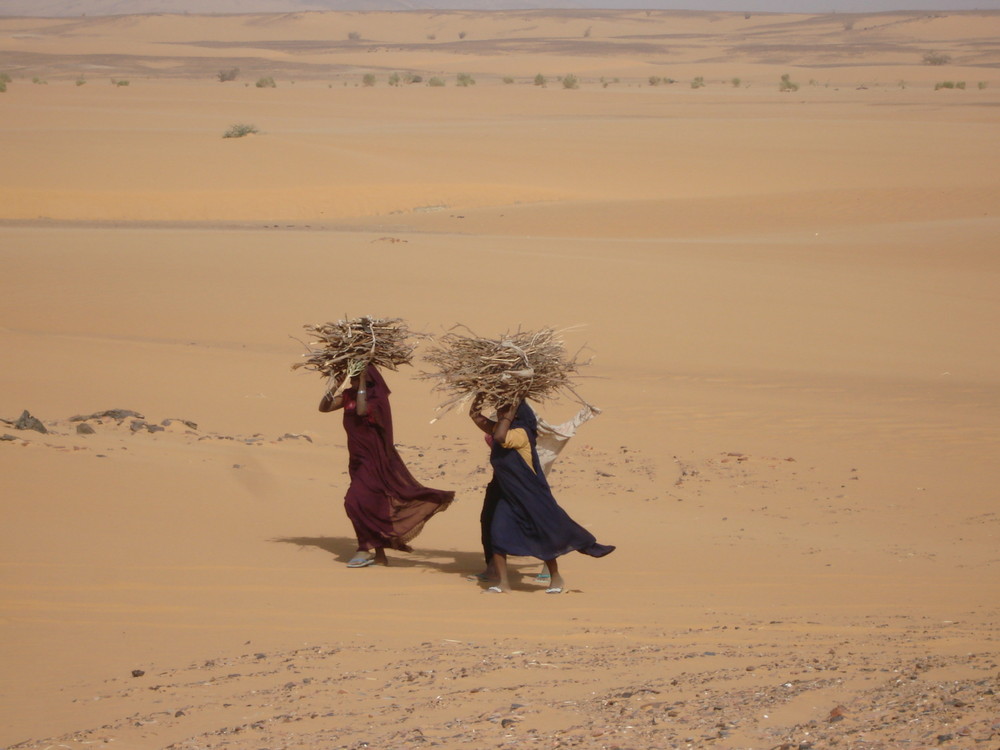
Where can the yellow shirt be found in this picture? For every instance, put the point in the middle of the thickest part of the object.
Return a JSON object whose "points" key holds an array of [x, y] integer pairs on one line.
{"points": [[517, 439]]}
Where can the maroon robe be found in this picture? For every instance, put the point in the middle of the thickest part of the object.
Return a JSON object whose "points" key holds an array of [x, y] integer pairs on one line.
{"points": [[387, 506]]}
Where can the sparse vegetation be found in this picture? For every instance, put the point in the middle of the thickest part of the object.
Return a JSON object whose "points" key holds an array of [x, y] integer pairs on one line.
{"points": [[5, 78], [655, 80], [354, 36], [570, 82], [540, 80], [413, 78], [435, 81], [266, 83], [787, 84], [227, 75], [239, 130], [461, 35], [698, 82], [39, 81], [81, 81], [464, 79], [949, 85], [736, 82], [508, 79], [119, 82], [936, 58], [981, 85], [368, 80]]}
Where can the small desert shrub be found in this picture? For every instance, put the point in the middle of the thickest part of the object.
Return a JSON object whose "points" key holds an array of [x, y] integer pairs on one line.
{"points": [[464, 79], [586, 33], [787, 84], [368, 79], [394, 79], [936, 58], [227, 75], [570, 82], [698, 82], [354, 36], [461, 35], [981, 85], [508, 79], [119, 82], [736, 82], [5, 78], [540, 80], [39, 81], [81, 81], [239, 130], [655, 80], [3, 87], [266, 83], [435, 81], [413, 78]]}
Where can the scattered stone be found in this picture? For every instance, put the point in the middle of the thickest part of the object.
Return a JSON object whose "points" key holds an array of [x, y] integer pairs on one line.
{"points": [[292, 436], [138, 672], [837, 714], [154, 428], [84, 429], [138, 424], [27, 422], [186, 422], [119, 415], [7, 436]]}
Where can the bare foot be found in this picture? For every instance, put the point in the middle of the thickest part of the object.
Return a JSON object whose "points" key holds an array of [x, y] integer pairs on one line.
{"points": [[380, 558]]}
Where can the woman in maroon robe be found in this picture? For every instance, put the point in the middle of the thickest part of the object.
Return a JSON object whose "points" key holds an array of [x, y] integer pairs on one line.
{"points": [[386, 505]]}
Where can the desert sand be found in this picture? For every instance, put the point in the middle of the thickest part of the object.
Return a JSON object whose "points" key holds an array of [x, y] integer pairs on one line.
{"points": [[791, 298]]}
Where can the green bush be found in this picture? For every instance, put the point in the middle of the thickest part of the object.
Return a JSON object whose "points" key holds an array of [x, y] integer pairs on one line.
{"points": [[354, 36], [698, 82], [5, 78], [368, 79], [949, 85], [119, 82], [787, 84], [81, 81], [508, 79], [435, 81], [39, 81], [239, 130], [736, 82], [653, 80], [540, 80], [570, 82], [981, 85], [3, 87], [266, 83], [395, 79], [464, 79], [227, 75]]}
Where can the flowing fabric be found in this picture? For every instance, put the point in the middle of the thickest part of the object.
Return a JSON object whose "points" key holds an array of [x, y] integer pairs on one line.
{"points": [[386, 505], [527, 520]]}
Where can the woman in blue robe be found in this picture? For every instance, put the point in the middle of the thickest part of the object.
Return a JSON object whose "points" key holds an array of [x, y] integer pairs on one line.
{"points": [[526, 519]]}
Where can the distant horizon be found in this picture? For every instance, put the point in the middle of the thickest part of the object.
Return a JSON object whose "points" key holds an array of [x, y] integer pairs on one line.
{"points": [[76, 8]]}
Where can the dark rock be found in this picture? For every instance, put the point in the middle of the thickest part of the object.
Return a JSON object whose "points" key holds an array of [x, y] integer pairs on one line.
{"points": [[138, 672], [137, 424], [117, 414], [186, 422], [154, 428], [28, 422], [5, 436], [84, 429]]}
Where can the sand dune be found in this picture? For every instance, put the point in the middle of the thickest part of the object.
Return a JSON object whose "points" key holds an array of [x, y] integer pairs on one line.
{"points": [[790, 296]]}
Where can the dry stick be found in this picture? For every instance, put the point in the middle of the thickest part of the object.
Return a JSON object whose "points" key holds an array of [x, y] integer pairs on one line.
{"points": [[518, 365]]}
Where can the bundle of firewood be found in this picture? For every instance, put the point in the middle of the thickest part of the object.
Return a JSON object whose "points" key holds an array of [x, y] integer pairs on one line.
{"points": [[345, 348], [519, 365]]}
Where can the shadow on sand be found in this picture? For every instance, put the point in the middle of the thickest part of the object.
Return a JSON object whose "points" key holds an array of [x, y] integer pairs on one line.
{"points": [[452, 562]]}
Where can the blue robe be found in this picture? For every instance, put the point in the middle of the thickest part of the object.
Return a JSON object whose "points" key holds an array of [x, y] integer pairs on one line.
{"points": [[528, 521]]}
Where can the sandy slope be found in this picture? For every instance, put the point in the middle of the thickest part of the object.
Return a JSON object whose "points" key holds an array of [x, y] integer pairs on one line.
{"points": [[792, 302]]}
